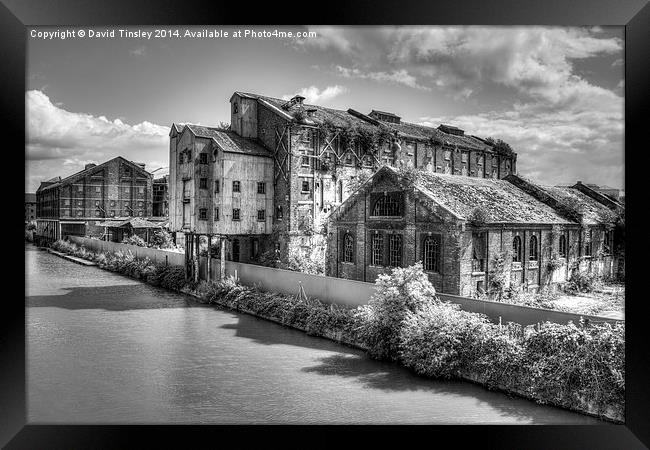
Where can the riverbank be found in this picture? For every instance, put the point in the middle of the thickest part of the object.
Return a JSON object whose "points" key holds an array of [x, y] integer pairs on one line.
{"points": [[548, 382]]}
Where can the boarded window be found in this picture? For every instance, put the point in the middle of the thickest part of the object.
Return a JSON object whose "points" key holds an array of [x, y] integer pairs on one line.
{"points": [[431, 253], [377, 249]]}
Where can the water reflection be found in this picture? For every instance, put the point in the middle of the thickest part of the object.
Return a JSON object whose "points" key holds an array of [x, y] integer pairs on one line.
{"points": [[103, 348]]}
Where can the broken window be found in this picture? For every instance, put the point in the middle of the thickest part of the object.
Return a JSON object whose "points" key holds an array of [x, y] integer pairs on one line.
{"points": [[387, 205]]}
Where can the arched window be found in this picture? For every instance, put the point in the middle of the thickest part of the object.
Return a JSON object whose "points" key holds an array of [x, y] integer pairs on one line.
{"points": [[377, 250], [532, 254], [395, 250], [348, 248], [562, 247], [516, 249], [387, 205], [431, 253]]}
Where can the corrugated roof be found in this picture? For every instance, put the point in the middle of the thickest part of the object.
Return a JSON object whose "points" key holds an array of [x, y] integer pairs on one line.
{"points": [[229, 141]]}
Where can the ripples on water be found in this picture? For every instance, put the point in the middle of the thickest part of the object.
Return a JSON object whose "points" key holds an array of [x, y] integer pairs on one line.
{"points": [[103, 348]]}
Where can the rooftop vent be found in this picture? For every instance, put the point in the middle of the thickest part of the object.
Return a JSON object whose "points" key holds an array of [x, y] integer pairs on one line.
{"points": [[295, 100], [89, 166], [385, 116], [449, 129]]}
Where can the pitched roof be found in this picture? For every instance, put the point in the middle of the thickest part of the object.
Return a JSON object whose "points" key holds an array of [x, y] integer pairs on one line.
{"points": [[229, 141], [502, 201], [410, 130], [593, 211], [135, 222]]}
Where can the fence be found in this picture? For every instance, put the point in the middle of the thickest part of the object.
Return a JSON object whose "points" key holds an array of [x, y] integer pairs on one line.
{"points": [[336, 290]]}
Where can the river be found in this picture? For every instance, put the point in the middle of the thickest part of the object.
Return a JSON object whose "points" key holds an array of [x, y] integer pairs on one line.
{"points": [[105, 349]]}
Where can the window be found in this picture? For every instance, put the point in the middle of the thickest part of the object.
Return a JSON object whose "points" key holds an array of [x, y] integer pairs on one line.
{"points": [[607, 243], [216, 214], [516, 249], [66, 202], [235, 108], [348, 248], [261, 188], [255, 248], [479, 251], [203, 214], [377, 249], [279, 214], [203, 183], [261, 215], [562, 247], [395, 250], [203, 158], [79, 213], [532, 251], [387, 205], [235, 250], [305, 186], [235, 214], [216, 186], [305, 161], [236, 186], [431, 253], [80, 188], [588, 236], [98, 189]]}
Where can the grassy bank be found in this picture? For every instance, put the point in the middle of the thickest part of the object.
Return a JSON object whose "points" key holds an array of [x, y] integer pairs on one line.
{"points": [[573, 366]]}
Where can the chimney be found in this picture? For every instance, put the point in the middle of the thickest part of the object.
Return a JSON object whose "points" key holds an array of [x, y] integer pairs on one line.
{"points": [[89, 166]]}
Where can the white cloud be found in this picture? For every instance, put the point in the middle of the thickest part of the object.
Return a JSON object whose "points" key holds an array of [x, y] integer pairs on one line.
{"points": [[314, 95], [59, 142], [396, 76]]}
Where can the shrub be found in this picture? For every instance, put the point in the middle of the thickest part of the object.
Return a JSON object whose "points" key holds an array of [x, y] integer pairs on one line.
{"points": [[581, 282], [135, 240], [478, 217], [382, 319], [162, 239]]}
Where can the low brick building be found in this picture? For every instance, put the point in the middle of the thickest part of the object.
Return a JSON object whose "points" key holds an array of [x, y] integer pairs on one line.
{"points": [[462, 229], [77, 204]]}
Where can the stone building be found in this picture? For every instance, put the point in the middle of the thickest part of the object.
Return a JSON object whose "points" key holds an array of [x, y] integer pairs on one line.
{"points": [[77, 204], [160, 198], [465, 230], [221, 184], [319, 155], [30, 207]]}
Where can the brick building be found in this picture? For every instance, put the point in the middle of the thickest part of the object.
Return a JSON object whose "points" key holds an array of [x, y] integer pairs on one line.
{"points": [[160, 198], [30, 207], [221, 184], [77, 204], [457, 225], [319, 155]]}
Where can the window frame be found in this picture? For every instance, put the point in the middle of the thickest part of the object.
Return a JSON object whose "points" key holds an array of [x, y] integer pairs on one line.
{"points": [[261, 213], [533, 248], [348, 248], [203, 213], [377, 249], [262, 185], [236, 186], [561, 247], [236, 214], [203, 183], [391, 201], [395, 255], [431, 244], [517, 249]]}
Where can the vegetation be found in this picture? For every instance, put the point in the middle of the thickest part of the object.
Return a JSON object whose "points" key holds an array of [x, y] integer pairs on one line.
{"points": [[478, 217], [162, 239], [135, 240], [500, 146], [573, 365]]}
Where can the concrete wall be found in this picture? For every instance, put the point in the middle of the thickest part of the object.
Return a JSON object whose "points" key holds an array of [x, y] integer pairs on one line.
{"points": [[158, 256]]}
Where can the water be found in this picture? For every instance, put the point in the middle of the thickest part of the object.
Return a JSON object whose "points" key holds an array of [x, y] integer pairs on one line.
{"points": [[103, 348]]}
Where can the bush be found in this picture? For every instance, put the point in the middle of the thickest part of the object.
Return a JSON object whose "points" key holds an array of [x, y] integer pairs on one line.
{"points": [[581, 282], [135, 240], [162, 239], [382, 319]]}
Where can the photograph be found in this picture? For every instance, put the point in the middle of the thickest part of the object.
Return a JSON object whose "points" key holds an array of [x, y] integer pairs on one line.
{"points": [[354, 224]]}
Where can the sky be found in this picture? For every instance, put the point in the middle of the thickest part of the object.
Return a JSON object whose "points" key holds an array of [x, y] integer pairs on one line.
{"points": [[555, 94]]}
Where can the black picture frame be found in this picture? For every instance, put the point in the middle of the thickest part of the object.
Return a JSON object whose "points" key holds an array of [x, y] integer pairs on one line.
{"points": [[17, 15]]}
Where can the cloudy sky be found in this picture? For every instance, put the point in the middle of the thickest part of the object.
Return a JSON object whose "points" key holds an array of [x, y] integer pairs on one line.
{"points": [[554, 94]]}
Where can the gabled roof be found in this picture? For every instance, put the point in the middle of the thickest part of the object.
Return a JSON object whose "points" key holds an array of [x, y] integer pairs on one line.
{"points": [[83, 173], [228, 141], [593, 212], [503, 202]]}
